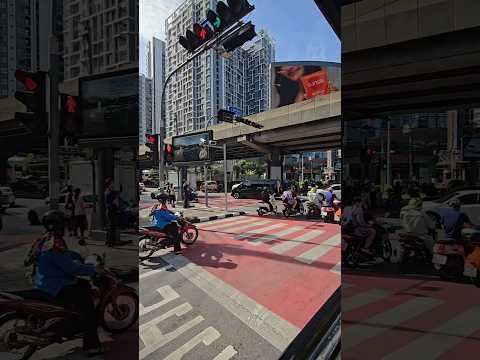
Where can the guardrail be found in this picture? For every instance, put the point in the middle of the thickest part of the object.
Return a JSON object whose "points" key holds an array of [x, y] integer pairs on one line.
{"points": [[320, 338]]}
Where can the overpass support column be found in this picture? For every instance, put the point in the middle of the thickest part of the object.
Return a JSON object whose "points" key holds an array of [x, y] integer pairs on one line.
{"points": [[275, 165]]}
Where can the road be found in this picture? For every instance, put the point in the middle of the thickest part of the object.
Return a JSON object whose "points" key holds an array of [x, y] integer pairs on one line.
{"points": [[244, 290]]}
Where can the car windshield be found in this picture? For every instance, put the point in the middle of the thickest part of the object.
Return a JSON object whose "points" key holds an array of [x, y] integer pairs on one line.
{"points": [[445, 197]]}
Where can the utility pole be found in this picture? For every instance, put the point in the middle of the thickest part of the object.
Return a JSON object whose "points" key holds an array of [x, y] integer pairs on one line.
{"points": [[53, 114]]}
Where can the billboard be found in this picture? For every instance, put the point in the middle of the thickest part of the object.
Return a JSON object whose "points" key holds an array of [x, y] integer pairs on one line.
{"points": [[188, 148], [298, 81], [109, 104], [471, 148]]}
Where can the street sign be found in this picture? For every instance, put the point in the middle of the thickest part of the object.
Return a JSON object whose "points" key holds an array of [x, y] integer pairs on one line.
{"points": [[235, 110]]}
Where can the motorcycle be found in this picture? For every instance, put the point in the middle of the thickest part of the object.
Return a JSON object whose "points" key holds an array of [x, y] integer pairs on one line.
{"points": [[265, 210], [328, 213], [290, 211], [313, 210], [152, 239], [471, 236], [352, 246], [32, 320], [414, 251]]}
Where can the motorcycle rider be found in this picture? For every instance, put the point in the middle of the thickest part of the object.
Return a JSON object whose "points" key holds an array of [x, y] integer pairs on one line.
{"points": [[360, 227], [453, 221], [290, 198], [329, 197], [417, 223], [165, 221], [57, 272], [266, 193]]}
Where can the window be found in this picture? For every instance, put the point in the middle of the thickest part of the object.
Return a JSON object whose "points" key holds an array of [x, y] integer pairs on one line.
{"points": [[469, 199]]}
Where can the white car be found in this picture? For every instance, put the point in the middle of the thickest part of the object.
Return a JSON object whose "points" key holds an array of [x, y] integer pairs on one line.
{"points": [[337, 190], [469, 199], [7, 191]]}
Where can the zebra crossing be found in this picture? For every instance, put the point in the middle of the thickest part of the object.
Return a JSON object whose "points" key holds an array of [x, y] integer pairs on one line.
{"points": [[393, 319]]}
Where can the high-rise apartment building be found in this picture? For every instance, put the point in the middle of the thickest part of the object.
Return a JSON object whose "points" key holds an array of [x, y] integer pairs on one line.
{"points": [[156, 70], [145, 106], [211, 82], [99, 36]]}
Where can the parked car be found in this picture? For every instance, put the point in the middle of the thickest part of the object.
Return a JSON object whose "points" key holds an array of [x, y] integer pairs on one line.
{"points": [[252, 189], [337, 190], [7, 191], [469, 198], [35, 215], [212, 186], [29, 189]]}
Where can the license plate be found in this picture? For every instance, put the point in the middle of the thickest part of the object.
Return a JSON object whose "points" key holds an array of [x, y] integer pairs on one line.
{"points": [[469, 270], [439, 259]]}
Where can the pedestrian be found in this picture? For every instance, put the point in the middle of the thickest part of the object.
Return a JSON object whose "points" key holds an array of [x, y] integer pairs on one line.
{"points": [[112, 209], [171, 195], [186, 194], [70, 207], [80, 213]]}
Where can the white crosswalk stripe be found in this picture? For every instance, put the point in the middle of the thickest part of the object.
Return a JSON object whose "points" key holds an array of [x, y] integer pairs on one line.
{"points": [[224, 223], [289, 245], [275, 235], [364, 298], [259, 231], [235, 228], [318, 251], [337, 268]]}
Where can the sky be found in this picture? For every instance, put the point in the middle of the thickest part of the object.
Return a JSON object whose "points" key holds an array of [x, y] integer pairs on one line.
{"points": [[298, 27]]}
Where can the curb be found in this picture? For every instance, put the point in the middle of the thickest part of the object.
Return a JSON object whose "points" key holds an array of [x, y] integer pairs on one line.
{"points": [[197, 220]]}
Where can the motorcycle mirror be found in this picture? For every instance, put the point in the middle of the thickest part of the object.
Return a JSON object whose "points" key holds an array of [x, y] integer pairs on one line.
{"points": [[82, 242]]}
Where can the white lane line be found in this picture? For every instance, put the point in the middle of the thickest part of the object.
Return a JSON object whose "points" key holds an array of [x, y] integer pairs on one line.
{"points": [[259, 231], [378, 324], [277, 331], [442, 339], [275, 235], [154, 339], [227, 353], [290, 244], [364, 298], [167, 293], [337, 268], [207, 336], [154, 272], [220, 223], [235, 228], [318, 251]]}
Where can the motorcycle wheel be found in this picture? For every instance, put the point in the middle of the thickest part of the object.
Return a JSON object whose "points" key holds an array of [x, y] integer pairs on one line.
{"points": [[351, 257], [7, 324], [127, 306], [190, 235], [452, 270], [386, 249], [261, 211], [310, 213], [147, 246]]}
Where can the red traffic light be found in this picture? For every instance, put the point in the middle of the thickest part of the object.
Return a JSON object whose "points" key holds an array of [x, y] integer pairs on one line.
{"points": [[168, 148], [150, 138], [28, 80], [71, 105]]}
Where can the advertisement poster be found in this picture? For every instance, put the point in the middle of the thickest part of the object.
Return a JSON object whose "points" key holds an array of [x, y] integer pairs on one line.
{"points": [[191, 148], [298, 81], [471, 148]]}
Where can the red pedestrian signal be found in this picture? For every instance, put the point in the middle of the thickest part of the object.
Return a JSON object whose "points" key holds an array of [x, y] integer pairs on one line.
{"points": [[70, 122], [152, 144], [33, 96]]}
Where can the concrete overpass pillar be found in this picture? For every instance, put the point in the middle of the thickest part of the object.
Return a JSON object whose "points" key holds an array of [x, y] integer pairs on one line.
{"points": [[275, 166]]}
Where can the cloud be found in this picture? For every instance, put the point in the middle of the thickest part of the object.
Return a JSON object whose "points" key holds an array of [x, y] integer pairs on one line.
{"points": [[152, 14]]}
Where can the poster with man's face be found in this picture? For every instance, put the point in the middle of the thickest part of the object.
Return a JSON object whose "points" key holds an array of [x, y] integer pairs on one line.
{"points": [[191, 148], [296, 82]]}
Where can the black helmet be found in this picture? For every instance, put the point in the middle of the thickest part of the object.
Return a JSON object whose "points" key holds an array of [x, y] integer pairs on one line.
{"points": [[54, 220], [162, 197]]}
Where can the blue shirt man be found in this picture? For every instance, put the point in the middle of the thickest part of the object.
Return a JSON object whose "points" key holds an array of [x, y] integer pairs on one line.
{"points": [[162, 217], [329, 197], [453, 221]]}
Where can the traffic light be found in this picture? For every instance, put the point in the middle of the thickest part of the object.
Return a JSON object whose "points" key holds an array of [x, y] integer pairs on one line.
{"points": [[152, 144], [70, 125], [225, 116], [225, 16], [194, 39], [33, 96], [245, 34], [168, 154]]}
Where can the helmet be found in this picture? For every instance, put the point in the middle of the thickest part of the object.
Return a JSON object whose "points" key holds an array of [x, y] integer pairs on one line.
{"points": [[415, 203], [330, 188], [54, 220], [162, 197], [454, 203]]}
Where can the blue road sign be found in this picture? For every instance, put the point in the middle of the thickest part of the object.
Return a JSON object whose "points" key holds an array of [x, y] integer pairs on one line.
{"points": [[235, 110]]}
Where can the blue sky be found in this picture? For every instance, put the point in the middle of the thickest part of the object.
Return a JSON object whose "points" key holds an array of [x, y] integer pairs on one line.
{"points": [[297, 26]]}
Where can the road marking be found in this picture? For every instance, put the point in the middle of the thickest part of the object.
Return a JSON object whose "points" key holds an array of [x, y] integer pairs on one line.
{"points": [[168, 295], [290, 244], [365, 298], [337, 268], [207, 336], [220, 223], [277, 331], [235, 228], [154, 272], [442, 339], [154, 339], [259, 231], [275, 236], [318, 251], [378, 324], [226, 354]]}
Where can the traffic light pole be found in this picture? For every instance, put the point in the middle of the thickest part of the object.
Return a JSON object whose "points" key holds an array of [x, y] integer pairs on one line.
{"points": [[161, 141], [53, 117]]}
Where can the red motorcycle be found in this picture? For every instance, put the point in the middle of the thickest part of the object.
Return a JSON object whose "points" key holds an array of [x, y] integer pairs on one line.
{"points": [[31, 320], [153, 240]]}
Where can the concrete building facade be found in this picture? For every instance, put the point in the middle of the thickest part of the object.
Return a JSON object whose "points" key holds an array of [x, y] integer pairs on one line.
{"points": [[156, 72], [145, 105]]}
